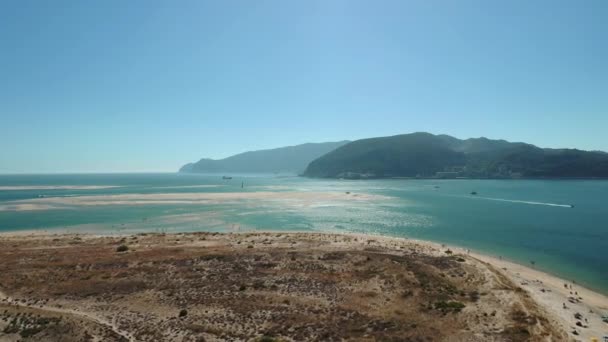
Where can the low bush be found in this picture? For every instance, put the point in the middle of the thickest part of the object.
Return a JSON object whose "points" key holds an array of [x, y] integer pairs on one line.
{"points": [[451, 306]]}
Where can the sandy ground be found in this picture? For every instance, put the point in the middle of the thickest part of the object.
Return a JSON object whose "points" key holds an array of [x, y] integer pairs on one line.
{"points": [[277, 287]]}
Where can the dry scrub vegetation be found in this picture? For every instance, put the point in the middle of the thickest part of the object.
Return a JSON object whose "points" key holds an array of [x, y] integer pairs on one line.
{"points": [[255, 287]]}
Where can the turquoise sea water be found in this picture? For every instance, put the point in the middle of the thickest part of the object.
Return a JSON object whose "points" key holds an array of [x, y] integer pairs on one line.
{"points": [[521, 220]]}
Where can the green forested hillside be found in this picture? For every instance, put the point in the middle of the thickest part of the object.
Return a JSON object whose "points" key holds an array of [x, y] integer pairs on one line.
{"points": [[428, 155]]}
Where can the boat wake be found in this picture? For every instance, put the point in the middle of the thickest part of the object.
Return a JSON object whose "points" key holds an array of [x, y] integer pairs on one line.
{"points": [[527, 202]]}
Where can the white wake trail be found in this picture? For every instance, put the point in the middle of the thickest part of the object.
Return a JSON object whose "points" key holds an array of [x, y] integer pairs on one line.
{"points": [[527, 202]]}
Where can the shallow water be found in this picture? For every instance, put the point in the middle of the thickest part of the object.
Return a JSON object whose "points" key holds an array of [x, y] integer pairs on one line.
{"points": [[522, 220]]}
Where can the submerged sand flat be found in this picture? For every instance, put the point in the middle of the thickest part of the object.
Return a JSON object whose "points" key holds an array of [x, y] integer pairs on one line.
{"points": [[246, 286], [56, 187], [202, 186], [301, 198]]}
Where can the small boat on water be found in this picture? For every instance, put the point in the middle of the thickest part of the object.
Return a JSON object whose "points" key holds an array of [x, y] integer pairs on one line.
{"points": [[473, 192], [571, 205], [226, 177]]}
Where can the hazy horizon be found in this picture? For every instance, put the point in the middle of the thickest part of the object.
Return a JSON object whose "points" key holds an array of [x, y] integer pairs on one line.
{"points": [[147, 86], [219, 158]]}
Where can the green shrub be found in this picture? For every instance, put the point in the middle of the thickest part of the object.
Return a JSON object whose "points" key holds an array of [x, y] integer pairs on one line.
{"points": [[267, 338], [29, 332], [451, 306]]}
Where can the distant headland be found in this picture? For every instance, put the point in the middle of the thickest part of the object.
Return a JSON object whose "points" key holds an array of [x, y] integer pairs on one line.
{"points": [[290, 159]]}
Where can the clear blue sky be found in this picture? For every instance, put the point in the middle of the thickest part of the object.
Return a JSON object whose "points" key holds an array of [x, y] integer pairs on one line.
{"points": [[119, 85]]}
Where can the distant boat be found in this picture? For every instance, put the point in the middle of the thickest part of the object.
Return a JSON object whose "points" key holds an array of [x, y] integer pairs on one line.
{"points": [[242, 184], [41, 196], [571, 205], [226, 177], [473, 192]]}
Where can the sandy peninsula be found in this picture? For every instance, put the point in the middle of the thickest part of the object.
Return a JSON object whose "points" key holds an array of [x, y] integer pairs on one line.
{"points": [[257, 286]]}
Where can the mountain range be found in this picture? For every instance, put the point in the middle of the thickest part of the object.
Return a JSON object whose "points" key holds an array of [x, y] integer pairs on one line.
{"points": [[426, 155], [414, 155]]}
